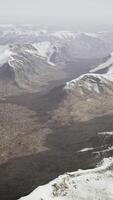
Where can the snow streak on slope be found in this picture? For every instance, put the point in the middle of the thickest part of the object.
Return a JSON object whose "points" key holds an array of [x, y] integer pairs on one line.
{"points": [[93, 184], [86, 149], [108, 63]]}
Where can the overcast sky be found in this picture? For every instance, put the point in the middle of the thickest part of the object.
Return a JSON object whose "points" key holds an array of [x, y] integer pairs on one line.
{"points": [[36, 11]]}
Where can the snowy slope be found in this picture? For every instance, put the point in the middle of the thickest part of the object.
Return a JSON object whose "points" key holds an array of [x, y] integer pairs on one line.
{"points": [[91, 82], [91, 34], [72, 35], [93, 184], [107, 64], [80, 44], [5, 54], [64, 34], [45, 50]]}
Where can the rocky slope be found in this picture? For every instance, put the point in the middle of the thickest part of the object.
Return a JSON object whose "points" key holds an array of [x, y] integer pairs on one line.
{"points": [[86, 97]]}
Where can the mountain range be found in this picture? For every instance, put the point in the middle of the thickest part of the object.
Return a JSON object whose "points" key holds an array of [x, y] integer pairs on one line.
{"points": [[56, 112]]}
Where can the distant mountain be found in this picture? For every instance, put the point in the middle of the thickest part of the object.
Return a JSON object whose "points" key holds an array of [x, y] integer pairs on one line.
{"points": [[28, 65], [31, 57], [78, 44]]}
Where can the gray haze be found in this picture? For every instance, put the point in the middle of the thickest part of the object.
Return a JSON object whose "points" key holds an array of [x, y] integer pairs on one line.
{"points": [[58, 11]]}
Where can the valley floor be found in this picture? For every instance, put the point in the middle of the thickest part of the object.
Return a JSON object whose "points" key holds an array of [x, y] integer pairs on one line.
{"points": [[58, 151]]}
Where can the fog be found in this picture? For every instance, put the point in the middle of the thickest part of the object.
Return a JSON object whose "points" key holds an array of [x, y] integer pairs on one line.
{"points": [[56, 11]]}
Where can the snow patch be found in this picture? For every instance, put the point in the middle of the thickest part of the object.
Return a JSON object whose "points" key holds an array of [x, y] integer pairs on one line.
{"points": [[86, 149]]}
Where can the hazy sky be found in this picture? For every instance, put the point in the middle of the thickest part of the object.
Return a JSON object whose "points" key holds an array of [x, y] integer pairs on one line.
{"points": [[77, 11]]}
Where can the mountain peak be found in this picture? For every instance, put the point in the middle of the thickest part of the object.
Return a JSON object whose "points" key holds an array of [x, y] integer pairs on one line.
{"points": [[91, 83]]}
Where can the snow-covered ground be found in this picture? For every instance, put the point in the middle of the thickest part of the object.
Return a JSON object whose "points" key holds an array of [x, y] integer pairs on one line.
{"points": [[92, 184]]}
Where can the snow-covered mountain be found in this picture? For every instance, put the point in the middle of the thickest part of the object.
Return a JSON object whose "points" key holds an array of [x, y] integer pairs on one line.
{"points": [[86, 97], [79, 44], [16, 34], [94, 184], [32, 57], [64, 35], [29, 65], [82, 45], [92, 83]]}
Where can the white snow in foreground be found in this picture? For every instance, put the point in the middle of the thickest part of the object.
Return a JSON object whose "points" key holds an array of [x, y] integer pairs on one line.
{"points": [[92, 184], [86, 149], [104, 65]]}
